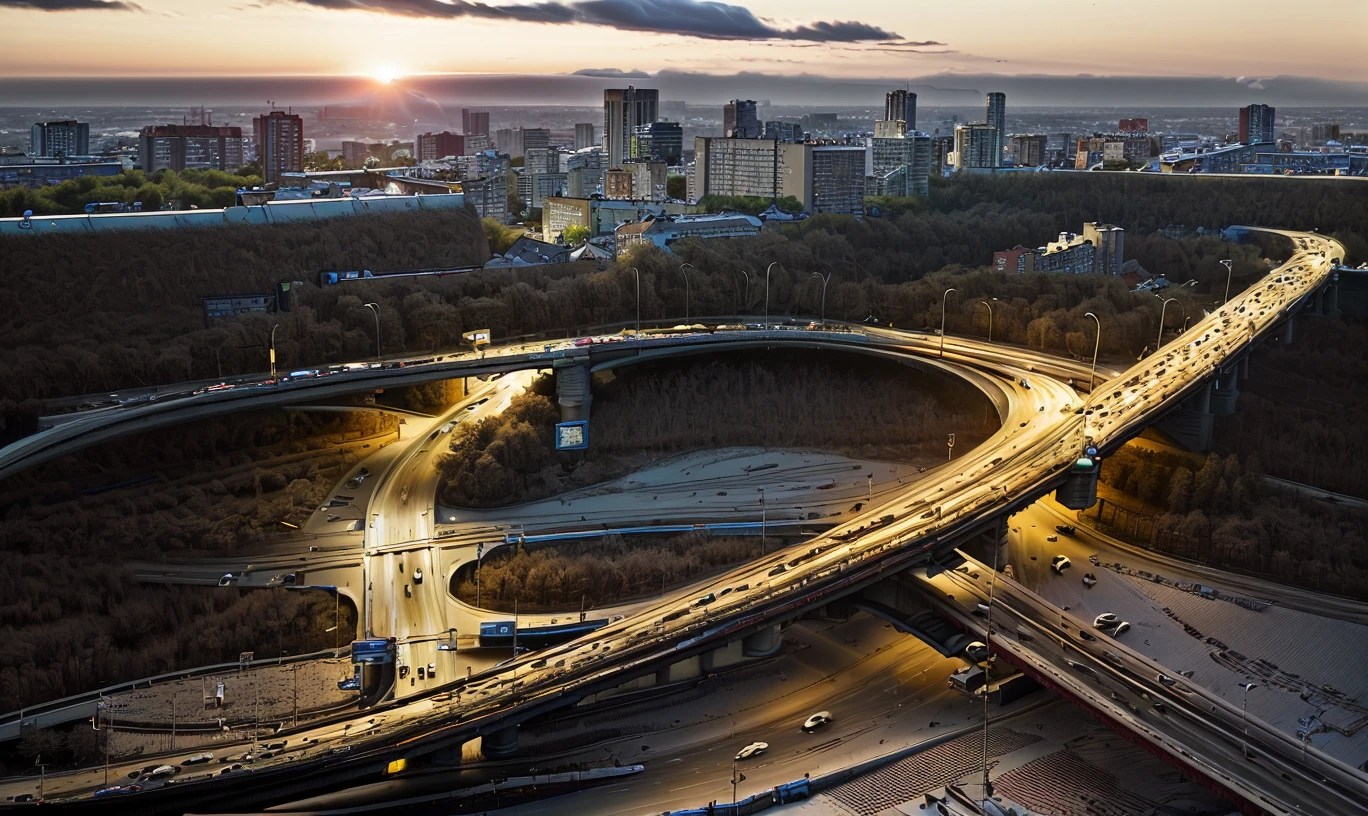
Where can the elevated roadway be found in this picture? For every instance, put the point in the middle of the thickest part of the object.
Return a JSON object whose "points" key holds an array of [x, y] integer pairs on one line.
{"points": [[1046, 425]]}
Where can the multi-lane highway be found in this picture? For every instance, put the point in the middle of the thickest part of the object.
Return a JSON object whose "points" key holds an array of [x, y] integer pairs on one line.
{"points": [[1045, 426]]}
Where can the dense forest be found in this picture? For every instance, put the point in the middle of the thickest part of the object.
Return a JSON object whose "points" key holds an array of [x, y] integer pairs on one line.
{"points": [[863, 408], [600, 572], [102, 312], [202, 189], [1298, 418], [73, 618]]}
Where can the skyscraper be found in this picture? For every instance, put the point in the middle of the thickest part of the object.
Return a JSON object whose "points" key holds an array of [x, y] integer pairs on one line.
{"points": [[1256, 124], [901, 106], [199, 147], [974, 145], [474, 123], [624, 110], [741, 120], [280, 143], [432, 146], [584, 135], [995, 116], [52, 139], [661, 140]]}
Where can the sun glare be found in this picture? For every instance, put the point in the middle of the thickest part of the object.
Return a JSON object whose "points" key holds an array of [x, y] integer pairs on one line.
{"points": [[385, 74]]}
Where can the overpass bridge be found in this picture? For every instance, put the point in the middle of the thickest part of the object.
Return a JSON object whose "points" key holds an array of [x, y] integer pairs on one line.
{"points": [[1046, 426]]}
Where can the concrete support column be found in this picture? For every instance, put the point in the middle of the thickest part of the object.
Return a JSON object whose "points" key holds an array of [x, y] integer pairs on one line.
{"points": [[689, 668], [1224, 393], [573, 392], [1287, 333], [765, 642], [500, 744], [1243, 368]]}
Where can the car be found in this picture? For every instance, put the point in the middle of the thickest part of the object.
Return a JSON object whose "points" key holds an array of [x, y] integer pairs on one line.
{"points": [[403, 672], [449, 427], [432, 670], [755, 749], [408, 591], [147, 771], [1106, 620], [350, 684], [1052, 538], [976, 651], [23, 797], [816, 721], [162, 772], [422, 672], [1060, 563], [226, 580], [1089, 580], [198, 759], [777, 570], [418, 575], [705, 599], [1121, 629], [116, 790]]}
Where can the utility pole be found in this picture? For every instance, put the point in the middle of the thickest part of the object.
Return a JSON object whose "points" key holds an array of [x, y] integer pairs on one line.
{"points": [[294, 672], [870, 477], [173, 720], [988, 652], [762, 521]]}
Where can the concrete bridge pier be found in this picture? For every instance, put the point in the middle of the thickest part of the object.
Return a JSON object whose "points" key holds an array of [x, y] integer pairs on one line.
{"points": [[1224, 392], [1242, 367], [573, 391], [763, 643], [1287, 332], [1190, 425], [500, 744]]}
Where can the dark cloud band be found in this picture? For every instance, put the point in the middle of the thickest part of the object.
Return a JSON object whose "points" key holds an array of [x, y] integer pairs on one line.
{"points": [[69, 5], [691, 18]]}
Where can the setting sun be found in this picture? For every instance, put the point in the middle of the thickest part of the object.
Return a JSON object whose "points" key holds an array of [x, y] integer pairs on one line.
{"points": [[385, 74]]}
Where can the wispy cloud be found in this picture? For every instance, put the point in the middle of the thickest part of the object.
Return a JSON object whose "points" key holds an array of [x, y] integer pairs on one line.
{"points": [[611, 73], [690, 18], [70, 5]]}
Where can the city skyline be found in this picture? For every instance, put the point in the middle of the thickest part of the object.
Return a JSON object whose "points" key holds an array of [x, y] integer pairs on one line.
{"points": [[862, 40]]}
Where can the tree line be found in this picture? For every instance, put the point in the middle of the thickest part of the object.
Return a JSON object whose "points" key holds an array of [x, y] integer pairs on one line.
{"points": [[183, 190], [863, 408]]}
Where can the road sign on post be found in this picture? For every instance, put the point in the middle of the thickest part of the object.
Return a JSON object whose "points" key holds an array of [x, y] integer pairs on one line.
{"points": [[572, 435], [477, 338]]}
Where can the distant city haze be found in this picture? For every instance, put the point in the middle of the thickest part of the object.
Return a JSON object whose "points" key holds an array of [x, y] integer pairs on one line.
{"points": [[790, 51]]}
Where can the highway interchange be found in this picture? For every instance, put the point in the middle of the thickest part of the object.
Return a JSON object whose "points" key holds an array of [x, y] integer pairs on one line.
{"points": [[1046, 423]]}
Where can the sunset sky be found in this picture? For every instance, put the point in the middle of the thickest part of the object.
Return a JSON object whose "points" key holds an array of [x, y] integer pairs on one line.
{"points": [[857, 38]]}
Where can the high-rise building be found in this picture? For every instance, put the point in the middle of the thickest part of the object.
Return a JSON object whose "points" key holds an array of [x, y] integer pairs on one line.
{"points": [[535, 138], [752, 167], [56, 139], [1325, 131], [995, 115], [432, 146], [1256, 124], [975, 145], [280, 143], [901, 106], [1028, 150], [199, 147], [1133, 126], [617, 183], [838, 179], [784, 131], [510, 141], [625, 110], [585, 169], [1109, 246], [661, 140], [890, 129], [648, 179], [900, 166], [474, 123], [741, 120], [584, 135]]}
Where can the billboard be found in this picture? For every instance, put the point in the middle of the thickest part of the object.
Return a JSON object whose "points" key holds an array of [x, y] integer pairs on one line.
{"points": [[572, 435], [478, 337], [373, 651]]}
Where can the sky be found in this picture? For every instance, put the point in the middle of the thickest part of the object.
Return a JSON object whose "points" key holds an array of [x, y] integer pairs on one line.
{"points": [[1251, 39]]}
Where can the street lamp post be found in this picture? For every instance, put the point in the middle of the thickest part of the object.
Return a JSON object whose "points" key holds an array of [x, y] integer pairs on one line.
{"points": [[637, 273], [990, 320], [1227, 264], [767, 274], [1244, 715], [745, 301], [1097, 344], [375, 307], [762, 521], [273, 331], [1162, 312], [825, 281], [944, 298], [686, 287]]}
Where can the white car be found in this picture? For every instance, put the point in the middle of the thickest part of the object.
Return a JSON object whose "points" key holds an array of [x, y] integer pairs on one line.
{"points": [[418, 575], [816, 721], [1106, 620], [1060, 563], [753, 750]]}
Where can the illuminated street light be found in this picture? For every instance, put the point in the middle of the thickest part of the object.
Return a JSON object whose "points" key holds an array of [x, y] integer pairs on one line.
{"points": [[767, 274], [1244, 713], [686, 287], [1227, 264], [1160, 341], [944, 298], [825, 281], [990, 321], [375, 307], [273, 367], [638, 293]]}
